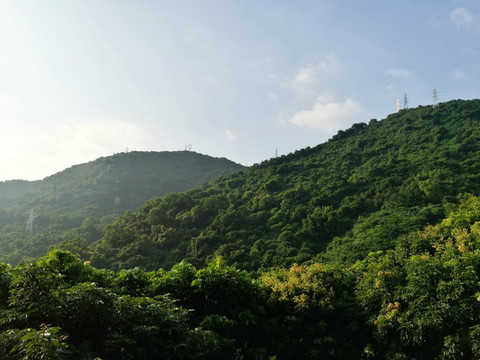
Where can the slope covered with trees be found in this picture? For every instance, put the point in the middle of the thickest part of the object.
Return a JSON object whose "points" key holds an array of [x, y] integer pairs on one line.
{"points": [[420, 300], [78, 202], [334, 203]]}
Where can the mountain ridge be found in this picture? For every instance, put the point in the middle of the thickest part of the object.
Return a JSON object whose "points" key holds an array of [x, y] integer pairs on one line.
{"points": [[98, 190], [357, 192]]}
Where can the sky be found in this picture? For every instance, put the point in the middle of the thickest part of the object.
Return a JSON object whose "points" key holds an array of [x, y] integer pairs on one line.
{"points": [[242, 79]]}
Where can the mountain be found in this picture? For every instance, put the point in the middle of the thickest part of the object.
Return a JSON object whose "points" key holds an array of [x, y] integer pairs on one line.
{"points": [[92, 194], [418, 299], [359, 192]]}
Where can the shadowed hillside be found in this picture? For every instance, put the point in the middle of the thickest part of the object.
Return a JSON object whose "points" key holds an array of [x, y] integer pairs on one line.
{"points": [[91, 194]]}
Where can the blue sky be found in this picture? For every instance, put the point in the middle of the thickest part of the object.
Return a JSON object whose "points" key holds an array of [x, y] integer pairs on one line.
{"points": [[237, 79]]}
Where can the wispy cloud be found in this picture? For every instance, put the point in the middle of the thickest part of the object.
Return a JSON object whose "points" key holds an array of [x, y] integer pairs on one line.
{"points": [[462, 17], [469, 51], [309, 76], [306, 76], [230, 135], [328, 116], [459, 75], [399, 73]]}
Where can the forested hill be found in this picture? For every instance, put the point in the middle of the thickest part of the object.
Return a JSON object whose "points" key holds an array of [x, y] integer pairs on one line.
{"points": [[87, 196], [335, 202], [131, 178]]}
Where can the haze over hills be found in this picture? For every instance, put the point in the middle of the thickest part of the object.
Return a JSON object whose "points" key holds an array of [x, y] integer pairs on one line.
{"points": [[108, 186], [335, 202], [134, 177]]}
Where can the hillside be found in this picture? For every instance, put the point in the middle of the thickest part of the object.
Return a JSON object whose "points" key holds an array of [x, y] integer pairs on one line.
{"points": [[419, 301], [336, 202], [91, 194]]}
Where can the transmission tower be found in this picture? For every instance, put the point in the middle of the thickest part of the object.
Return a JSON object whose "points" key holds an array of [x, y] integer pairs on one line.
{"points": [[116, 205], [398, 105], [29, 226], [405, 101], [435, 98]]}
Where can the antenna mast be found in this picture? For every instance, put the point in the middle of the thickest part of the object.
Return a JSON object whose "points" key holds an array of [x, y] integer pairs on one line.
{"points": [[405, 101], [398, 105]]}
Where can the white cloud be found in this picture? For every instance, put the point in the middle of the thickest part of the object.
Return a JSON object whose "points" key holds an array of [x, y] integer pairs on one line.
{"points": [[462, 17], [328, 116], [273, 96], [230, 135], [306, 76], [399, 73], [312, 74], [459, 75]]}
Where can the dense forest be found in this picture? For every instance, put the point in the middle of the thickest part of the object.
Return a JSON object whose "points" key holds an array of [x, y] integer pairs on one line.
{"points": [[78, 202], [364, 247], [334, 203], [420, 300]]}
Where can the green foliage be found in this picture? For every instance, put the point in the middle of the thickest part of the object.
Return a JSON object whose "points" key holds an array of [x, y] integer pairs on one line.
{"points": [[89, 312], [359, 192], [225, 301], [5, 281], [400, 283], [420, 300], [72, 207], [31, 344], [312, 312]]}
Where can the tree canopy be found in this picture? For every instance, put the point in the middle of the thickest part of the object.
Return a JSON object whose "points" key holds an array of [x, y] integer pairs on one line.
{"points": [[336, 202], [420, 300], [77, 203], [365, 247]]}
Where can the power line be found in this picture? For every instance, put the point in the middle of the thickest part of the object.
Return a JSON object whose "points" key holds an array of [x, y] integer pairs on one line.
{"points": [[439, 95]]}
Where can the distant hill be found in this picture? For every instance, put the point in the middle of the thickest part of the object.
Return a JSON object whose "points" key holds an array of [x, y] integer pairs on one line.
{"points": [[336, 202], [102, 188]]}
